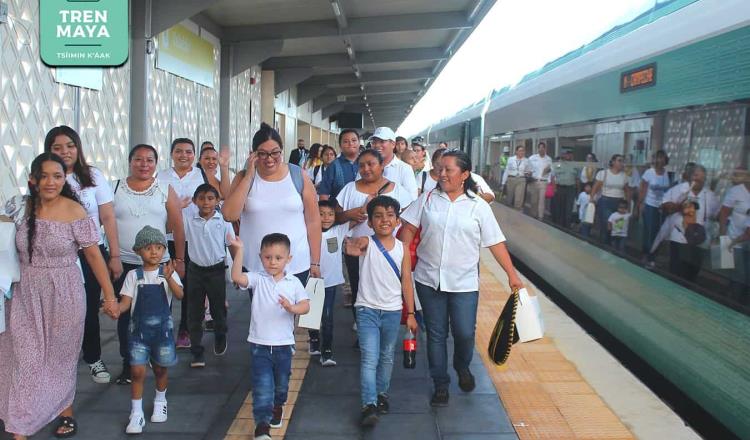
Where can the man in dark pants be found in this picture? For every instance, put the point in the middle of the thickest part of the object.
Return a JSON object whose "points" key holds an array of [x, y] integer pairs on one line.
{"points": [[564, 175]]}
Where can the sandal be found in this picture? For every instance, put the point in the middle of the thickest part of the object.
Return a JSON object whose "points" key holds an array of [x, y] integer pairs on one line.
{"points": [[68, 425]]}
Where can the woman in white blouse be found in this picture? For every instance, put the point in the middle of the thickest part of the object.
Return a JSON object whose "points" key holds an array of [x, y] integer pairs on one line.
{"points": [[455, 224], [96, 196], [610, 186], [352, 204], [327, 155]]}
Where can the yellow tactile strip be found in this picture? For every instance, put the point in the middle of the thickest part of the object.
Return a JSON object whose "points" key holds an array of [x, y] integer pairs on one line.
{"points": [[243, 427], [544, 394]]}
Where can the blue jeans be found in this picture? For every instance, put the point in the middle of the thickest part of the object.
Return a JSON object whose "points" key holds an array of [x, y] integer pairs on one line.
{"points": [[440, 308], [378, 334], [604, 208], [652, 220], [326, 321], [272, 367], [619, 243]]}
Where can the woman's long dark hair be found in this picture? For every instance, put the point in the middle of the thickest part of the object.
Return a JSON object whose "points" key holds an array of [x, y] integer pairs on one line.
{"points": [[36, 173], [464, 163], [81, 168]]}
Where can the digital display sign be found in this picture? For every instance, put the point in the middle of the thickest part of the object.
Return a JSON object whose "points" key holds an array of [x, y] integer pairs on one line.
{"points": [[644, 76]]}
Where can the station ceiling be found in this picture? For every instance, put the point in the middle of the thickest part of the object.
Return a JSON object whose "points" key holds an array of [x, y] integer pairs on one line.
{"points": [[375, 57]]}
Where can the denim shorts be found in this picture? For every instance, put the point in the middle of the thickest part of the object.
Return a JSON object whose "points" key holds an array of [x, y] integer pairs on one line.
{"points": [[154, 343]]}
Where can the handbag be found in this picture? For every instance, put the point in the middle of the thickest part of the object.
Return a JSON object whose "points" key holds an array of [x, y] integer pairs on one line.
{"points": [[550, 191], [529, 322], [316, 292], [10, 268], [504, 334]]}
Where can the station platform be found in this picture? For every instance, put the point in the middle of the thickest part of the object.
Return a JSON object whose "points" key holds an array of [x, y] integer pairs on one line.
{"points": [[564, 386]]}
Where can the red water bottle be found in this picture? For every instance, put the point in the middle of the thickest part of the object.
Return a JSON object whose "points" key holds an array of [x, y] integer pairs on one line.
{"points": [[410, 350]]}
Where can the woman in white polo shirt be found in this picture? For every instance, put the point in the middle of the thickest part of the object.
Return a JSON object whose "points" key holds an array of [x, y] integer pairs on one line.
{"points": [[455, 224]]}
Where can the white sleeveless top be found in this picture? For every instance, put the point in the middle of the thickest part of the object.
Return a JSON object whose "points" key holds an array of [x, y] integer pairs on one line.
{"points": [[274, 207], [379, 288], [136, 209]]}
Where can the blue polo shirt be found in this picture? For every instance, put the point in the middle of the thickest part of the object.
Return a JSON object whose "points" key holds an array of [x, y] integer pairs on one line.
{"points": [[336, 176]]}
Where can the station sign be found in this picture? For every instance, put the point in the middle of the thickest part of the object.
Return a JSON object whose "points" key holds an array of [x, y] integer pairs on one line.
{"points": [[639, 78], [186, 54], [83, 32]]}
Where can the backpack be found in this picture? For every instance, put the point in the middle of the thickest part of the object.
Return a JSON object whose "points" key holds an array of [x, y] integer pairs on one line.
{"points": [[295, 172]]}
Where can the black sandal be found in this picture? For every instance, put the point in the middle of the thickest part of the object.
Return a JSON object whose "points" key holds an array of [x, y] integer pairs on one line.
{"points": [[70, 426]]}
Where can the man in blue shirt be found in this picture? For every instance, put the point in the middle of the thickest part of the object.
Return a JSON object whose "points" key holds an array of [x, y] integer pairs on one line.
{"points": [[342, 170]]}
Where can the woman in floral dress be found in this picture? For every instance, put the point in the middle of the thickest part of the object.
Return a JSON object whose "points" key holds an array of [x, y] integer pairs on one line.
{"points": [[45, 317]]}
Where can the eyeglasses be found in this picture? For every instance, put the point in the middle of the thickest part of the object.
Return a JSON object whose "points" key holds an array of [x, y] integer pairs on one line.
{"points": [[263, 155]]}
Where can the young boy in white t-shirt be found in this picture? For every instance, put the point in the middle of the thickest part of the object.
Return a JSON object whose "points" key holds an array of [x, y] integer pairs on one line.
{"points": [[278, 297], [147, 293], [617, 224], [384, 276], [583, 202], [331, 269]]}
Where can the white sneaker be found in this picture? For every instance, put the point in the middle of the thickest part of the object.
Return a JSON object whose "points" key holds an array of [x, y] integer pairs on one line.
{"points": [[136, 424], [99, 372], [354, 327], [160, 411]]}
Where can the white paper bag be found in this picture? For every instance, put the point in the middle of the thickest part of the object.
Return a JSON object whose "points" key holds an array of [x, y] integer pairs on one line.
{"points": [[2, 314], [721, 256], [316, 291], [529, 322], [588, 213], [9, 265]]}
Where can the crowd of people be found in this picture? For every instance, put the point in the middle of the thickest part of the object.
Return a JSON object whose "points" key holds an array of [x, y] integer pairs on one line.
{"points": [[650, 208], [408, 233]]}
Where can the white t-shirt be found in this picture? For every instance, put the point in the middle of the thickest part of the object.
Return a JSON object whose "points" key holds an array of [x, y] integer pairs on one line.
{"points": [[737, 198], [452, 234], [402, 173], [515, 168], [613, 185], [136, 209], [582, 202], [316, 179], [619, 224], [540, 167], [130, 285], [379, 287], [274, 207], [671, 230], [482, 185], [270, 324], [93, 196], [707, 201], [207, 238], [331, 244], [657, 186], [184, 186], [429, 183], [350, 198]]}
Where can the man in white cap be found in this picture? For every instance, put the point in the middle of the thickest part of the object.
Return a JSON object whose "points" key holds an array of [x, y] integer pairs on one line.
{"points": [[383, 140]]}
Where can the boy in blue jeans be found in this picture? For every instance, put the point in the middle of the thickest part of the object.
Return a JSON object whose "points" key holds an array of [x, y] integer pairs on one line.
{"points": [[277, 298], [384, 276], [147, 293], [333, 276]]}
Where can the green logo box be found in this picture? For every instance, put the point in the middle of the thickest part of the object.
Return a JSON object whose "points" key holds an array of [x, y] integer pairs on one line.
{"points": [[83, 32]]}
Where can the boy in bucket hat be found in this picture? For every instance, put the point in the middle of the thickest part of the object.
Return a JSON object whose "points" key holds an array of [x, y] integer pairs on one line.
{"points": [[147, 292]]}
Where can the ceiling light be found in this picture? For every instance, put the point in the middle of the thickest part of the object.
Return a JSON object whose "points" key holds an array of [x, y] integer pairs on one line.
{"points": [[336, 8], [349, 51]]}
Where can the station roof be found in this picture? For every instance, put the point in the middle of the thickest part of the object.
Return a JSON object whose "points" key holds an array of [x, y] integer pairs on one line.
{"points": [[372, 57]]}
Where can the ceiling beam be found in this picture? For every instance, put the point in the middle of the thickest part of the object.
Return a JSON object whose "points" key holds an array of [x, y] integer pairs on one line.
{"points": [[356, 26], [250, 53], [366, 57], [167, 13], [284, 79], [368, 77], [332, 109], [306, 92], [395, 97]]}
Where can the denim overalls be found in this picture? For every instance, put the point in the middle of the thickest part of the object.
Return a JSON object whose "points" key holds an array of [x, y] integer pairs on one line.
{"points": [[151, 331]]}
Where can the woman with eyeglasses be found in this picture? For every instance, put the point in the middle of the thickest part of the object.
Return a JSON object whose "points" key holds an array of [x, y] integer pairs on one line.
{"points": [[610, 186], [271, 196]]}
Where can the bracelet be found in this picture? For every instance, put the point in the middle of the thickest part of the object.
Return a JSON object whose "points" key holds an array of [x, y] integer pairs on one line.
{"points": [[110, 300], [181, 260], [409, 313], [315, 264]]}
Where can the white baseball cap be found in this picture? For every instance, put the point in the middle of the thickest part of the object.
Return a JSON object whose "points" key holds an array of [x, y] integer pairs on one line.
{"points": [[383, 133]]}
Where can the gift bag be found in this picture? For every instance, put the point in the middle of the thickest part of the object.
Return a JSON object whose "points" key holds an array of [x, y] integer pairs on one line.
{"points": [[503, 335], [228, 262], [589, 212], [9, 265], [722, 257], [315, 289], [529, 322], [549, 192]]}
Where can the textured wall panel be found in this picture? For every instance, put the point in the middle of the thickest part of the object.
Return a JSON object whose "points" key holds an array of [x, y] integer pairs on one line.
{"points": [[208, 108], [104, 123], [184, 108], [159, 110], [245, 113], [31, 102]]}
